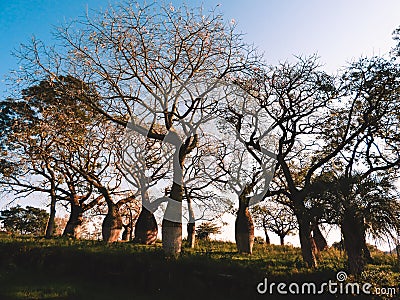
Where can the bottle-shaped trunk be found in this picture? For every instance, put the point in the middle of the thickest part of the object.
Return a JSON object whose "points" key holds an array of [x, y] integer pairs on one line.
{"points": [[74, 225], [112, 224], [146, 228], [172, 223], [354, 241], [244, 226]]}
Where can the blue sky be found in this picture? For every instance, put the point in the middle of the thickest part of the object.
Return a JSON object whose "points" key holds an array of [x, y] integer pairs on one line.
{"points": [[338, 31]]}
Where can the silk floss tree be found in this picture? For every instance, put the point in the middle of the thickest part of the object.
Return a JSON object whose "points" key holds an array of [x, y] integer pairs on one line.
{"points": [[156, 69], [250, 160]]}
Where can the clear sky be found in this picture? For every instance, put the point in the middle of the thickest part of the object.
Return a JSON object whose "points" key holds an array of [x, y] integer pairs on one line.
{"points": [[337, 30]]}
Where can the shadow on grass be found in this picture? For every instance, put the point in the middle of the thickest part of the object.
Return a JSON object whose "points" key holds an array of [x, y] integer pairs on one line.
{"points": [[66, 269]]}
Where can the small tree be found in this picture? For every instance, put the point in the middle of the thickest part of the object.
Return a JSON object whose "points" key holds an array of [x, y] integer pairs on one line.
{"points": [[204, 230], [29, 220], [278, 219]]}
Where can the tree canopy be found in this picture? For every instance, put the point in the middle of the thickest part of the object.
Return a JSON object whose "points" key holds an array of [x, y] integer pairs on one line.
{"points": [[28, 220]]}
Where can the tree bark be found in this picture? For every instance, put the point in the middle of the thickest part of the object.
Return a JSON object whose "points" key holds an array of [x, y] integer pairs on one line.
{"points": [[191, 231], [306, 241], [319, 238], [354, 241], [282, 240], [171, 224], [112, 224], [50, 227], [126, 233], [171, 238], [244, 227], [191, 226], [74, 225], [172, 221], [146, 228], [267, 239]]}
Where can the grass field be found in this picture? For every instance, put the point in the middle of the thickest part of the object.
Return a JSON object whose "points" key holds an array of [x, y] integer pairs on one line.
{"points": [[34, 268]]}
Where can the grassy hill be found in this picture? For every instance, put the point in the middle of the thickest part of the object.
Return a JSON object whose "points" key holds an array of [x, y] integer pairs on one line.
{"points": [[34, 268]]}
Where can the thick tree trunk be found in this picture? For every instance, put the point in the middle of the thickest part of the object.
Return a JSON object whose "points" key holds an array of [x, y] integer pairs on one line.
{"points": [[282, 240], [172, 223], [244, 232], [112, 224], [244, 227], [146, 228], [306, 241], [171, 238], [354, 241], [50, 227], [74, 225], [319, 238]]}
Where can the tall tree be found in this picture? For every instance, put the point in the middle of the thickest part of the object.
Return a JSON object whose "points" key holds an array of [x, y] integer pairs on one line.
{"points": [[372, 87], [202, 188], [96, 164], [33, 126], [247, 177], [360, 205], [152, 64], [142, 171], [249, 169], [320, 119]]}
